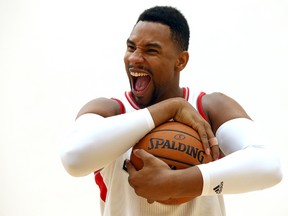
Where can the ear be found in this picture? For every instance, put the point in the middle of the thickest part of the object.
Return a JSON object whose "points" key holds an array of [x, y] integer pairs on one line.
{"points": [[182, 61]]}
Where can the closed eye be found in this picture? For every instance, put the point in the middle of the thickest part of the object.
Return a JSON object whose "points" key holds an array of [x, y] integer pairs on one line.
{"points": [[130, 45], [130, 48], [152, 51]]}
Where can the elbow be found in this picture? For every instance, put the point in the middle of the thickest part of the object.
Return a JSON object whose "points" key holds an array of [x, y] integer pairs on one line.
{"points": [[72, 163], [265, 167], [272, 171], [275, 174]]}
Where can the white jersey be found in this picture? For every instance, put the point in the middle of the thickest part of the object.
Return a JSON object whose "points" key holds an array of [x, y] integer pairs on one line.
{"points": [[118, 197]]}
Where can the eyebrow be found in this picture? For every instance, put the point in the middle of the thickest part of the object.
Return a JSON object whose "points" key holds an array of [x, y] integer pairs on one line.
{"points": [[156, 45]]}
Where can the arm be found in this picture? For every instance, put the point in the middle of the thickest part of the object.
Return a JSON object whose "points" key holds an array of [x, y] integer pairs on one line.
{"points": [[247, 158], [100, 134]]}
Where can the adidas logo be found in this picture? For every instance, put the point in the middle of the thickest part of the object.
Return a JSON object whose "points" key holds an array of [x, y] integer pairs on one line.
{"points": [[218, 189]]}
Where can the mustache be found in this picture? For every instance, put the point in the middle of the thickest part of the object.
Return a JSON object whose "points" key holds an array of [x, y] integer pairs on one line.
{"points": [[138, 67]]}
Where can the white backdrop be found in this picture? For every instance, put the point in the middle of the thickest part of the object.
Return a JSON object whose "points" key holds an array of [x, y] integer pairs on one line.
{"points": [[57, 55]]}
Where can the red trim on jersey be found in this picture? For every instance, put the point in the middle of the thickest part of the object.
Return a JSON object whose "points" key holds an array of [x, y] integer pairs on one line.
{"points": [[200, 107], [131, 100], [103, 189], [122, 107], [186, 93]]}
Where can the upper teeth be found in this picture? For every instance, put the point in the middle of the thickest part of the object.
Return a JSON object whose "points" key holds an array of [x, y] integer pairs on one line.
{"points": [[137, 74]]}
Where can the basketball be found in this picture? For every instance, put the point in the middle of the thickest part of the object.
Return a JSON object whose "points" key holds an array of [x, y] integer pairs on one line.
{"points": [[176, 144]]}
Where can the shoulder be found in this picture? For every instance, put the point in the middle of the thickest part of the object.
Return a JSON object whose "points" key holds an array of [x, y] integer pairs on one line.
{"points": [[217, 98], [221, 108], [102, 106]]}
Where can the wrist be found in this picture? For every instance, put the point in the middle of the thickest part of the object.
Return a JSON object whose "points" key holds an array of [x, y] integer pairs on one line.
{"points": [[187, 182], [165, 110]]}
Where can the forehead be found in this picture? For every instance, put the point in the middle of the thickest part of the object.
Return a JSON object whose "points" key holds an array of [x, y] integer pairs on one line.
{"points": [[150, 32]]}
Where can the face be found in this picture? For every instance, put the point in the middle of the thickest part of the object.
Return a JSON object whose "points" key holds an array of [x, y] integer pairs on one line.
{"points": [[151, 62]]}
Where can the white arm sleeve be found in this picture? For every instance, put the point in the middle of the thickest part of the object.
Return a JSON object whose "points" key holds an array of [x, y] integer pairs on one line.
{"points": [[249, 164], [95, 141]]}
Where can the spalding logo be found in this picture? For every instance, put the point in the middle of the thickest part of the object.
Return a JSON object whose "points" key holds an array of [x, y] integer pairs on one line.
{"points": [[157, 143]]}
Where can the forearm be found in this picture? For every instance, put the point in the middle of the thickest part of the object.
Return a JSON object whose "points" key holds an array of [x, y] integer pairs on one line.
{"points": [[95, 141], [253, 168], [249, 165]]}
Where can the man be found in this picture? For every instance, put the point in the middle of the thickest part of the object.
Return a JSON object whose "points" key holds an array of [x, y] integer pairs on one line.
{"points": [[106, 129]]}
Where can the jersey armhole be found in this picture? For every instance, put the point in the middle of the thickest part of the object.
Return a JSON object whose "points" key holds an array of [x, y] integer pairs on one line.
{"points": [[200, 107], [122, 107]]}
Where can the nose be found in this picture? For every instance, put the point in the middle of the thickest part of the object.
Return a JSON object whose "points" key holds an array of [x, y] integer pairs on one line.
{"points": [[136, 57]]}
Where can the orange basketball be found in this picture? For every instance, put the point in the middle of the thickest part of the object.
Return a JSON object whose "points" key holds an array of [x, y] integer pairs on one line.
{"points": [[176, 144]]}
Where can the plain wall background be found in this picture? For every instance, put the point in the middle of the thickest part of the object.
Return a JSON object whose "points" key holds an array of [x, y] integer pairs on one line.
{"points": [[57, 55]]}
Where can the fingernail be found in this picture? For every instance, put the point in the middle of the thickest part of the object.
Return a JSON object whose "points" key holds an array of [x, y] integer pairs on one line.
{"points": [[208, 151]]}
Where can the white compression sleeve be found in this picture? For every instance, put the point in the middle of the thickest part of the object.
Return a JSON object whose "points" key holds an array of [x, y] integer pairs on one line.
{"points": [[95, 141], [249, 164]]}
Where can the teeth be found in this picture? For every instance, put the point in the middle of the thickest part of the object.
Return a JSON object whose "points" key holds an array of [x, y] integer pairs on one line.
{"points": [[136, 74]]}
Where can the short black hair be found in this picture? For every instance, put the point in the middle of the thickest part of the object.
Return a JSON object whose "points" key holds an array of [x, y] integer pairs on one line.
{"points": [[171, 17]]}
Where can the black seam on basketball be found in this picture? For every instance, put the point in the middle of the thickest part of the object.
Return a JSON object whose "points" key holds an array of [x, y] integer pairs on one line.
{"points": [[170, 159], [155, 131]]}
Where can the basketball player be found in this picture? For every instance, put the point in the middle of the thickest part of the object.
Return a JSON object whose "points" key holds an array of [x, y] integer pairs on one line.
{"points": [[106, 129]]}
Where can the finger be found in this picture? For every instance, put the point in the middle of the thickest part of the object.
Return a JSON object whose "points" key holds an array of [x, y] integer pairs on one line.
{"points": [[213, 142], [215, 152], [130, 168], [142, 154], [204, 139], [150, 201]]}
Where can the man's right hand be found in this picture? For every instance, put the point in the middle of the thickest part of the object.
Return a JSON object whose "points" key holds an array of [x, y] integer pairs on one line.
{"points": [[182, 111]]}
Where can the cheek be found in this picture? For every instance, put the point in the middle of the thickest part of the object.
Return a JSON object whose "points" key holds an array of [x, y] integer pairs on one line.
{"points": [[165, 72], [126, 62], [125, 58]]}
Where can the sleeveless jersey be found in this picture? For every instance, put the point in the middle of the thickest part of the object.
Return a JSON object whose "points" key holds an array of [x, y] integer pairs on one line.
{"points": [[118, 197]]}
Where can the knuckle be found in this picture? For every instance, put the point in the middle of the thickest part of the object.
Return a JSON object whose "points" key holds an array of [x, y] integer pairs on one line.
{"points": [[207, 125], [197, 126], [137, 192], [131, 180]]}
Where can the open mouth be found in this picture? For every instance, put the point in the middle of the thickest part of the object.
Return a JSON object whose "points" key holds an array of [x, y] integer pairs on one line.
{"points": [[141, 82]]}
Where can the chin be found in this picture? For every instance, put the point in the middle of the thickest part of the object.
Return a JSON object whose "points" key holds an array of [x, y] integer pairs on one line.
{"points": [[141, 101]]}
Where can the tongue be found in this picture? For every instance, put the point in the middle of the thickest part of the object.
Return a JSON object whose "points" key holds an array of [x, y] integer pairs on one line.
{"points": [[141, 83]]}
